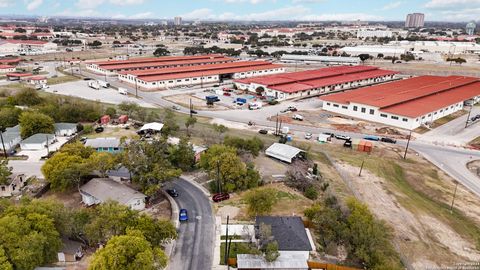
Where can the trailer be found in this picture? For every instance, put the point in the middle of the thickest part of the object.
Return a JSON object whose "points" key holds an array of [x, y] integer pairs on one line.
{"points": [[255, 105], [122, 91], [94, 85], [103, 84]]}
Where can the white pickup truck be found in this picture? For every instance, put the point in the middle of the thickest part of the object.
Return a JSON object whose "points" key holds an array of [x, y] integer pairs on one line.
{"points": [[103, 84], [122, 91], [94, 85]]}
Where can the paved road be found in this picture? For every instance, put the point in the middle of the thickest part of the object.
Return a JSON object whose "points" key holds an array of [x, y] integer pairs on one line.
{"points": [[194, 247]]}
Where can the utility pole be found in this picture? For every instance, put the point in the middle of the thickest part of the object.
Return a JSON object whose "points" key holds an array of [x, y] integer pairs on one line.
{"points": [[454, 194], [136, 88], [361, 168], [191, 108], [3, 144], [408, 143], [276, 125], [468, 117], [219, 186], [226, 241], [48, 150]]}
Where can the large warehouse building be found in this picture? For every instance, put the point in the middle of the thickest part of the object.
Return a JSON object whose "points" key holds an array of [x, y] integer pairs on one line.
{"points": [[164, 78], [408, 103], [314, 82], [115, 66]]}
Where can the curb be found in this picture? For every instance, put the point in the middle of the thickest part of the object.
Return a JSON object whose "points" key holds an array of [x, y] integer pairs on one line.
{"points": [[170, 247], [191, 180]]}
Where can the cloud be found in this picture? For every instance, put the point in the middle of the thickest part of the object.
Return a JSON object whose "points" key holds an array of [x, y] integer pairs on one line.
{"points": [[392, 5], [91, 4], [143, 15], [126, 2], [6, 3], [88, 4], [460, 15], [34, 4], [243, 1], [307, 1], [199, 13], [456, 4], [343, 17], [79, 13]]}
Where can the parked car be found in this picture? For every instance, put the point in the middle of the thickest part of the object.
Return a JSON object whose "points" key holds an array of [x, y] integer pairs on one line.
{"points": [[175, 107], [329, 133], [183, 215], [227, 94], [292, 108], [263, 131], [99, 129], [297, 117], [342, 137], [388, 140], [308, 136], [371, 138], [172, 192], [193, 112], [347, 143], [218, 197]]}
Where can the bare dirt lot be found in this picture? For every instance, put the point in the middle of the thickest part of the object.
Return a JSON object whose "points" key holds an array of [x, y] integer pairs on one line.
{"points": [[414, 198], [474, 167]]}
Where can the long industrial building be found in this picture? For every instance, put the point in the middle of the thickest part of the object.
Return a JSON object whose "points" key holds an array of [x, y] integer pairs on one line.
{"points": [[407, 103], [113, 67], [164, 78], [314, 82]]}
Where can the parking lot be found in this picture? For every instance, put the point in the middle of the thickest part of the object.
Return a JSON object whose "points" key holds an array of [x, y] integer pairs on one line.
{"points": [[105, 95]]}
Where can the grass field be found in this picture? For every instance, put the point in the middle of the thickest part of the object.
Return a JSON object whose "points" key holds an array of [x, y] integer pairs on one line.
{"points": [[236, 248], [62, 79]]}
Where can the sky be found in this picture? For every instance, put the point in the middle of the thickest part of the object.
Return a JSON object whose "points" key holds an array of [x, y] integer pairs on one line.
{"points": [[309, 10]]}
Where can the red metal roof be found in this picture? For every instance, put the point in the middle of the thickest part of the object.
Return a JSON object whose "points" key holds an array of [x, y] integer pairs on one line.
{"points": [[187, 69], [219, 71], [413, 97], [28, 42], [6, 66], [10, 60], [156, 59], [37, 78], [311, 79], [16, 74], [161, 63]]}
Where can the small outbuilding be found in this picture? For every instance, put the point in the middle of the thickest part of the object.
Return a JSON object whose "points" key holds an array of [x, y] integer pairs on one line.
{"points": [[111, 145], [283, 262], [151, 128], [123, 119], [38, 141], [104, 120], [65, 129], [284, 152], [37, 80], [100, 190], [71, 251]]}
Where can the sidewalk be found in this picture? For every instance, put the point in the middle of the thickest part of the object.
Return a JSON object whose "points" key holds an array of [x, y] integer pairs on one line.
{"points": [[216, 251]]}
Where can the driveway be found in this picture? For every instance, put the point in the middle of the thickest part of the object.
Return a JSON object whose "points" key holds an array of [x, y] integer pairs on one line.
{"points": [[36, 155], [195, 243]]}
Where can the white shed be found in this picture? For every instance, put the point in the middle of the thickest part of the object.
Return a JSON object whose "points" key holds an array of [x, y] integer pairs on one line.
{"points": [[65, 129], [37, 142], [283, 152]]}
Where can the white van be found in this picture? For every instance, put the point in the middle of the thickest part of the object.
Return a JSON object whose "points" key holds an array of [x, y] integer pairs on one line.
{"points": [[94, 85], [103, 84], [122, 91]]}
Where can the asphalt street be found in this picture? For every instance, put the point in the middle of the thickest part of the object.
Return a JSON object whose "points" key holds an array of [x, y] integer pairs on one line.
{"points": [[195, 243]]}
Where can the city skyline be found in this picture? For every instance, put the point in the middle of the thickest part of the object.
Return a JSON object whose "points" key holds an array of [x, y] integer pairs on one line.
{"points": [[249, 10]]}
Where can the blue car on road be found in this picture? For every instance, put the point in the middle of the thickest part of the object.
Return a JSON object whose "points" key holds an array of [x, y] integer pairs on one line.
{"points": [[183, 216]]}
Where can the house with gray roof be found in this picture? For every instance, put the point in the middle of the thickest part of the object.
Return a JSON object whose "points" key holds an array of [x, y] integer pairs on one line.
{"points": [[100, 190], [65, 129], [38, 141], [11, 138], [283, 262], [111, 145], [289, 232]]}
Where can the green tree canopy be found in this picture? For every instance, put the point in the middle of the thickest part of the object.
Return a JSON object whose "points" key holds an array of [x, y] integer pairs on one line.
{"points": [[102, 162], [34, 122], [64, 171], [4, 263], [9, 116], [182, 155], [129, 252], [261, 201], [5, 172], [161, 52], [28, 97]]}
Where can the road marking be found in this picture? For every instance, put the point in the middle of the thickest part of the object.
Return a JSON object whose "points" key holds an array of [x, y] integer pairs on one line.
{"points": [[198, 217]]}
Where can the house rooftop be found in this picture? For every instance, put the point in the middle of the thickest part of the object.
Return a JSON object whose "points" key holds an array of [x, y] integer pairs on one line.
{"points": [[102, 142], [284, 261], [289, 232], [60, 126], [39, 138], [105, 189]]}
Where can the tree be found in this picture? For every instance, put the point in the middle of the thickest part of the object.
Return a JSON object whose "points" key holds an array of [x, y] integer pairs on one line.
{"points": [[161, 52], [131, 251], [28, 97], [128, 107], [111, 111], [220, 129], [157, 232], [5, 172], [260, 201], [190, 123], [9, 116], [182, 155], [4, 264], [95, 44], [64, 171], [170, 123], [150, 164], [102, 162], [364, 56], [34, 122], [267, 243]]}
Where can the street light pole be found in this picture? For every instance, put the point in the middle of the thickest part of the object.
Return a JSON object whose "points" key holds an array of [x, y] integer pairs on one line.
{"points": [[468, 117], [454, 194], [408, 143], [136, 88], [3, 144]]}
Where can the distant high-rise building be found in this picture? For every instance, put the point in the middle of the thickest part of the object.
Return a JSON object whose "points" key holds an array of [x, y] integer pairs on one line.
{"points": [[470, 28], [415, 20], [177, 20]]}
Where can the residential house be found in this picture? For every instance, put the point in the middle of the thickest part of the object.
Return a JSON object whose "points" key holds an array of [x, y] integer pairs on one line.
{"points": [[65, 129], [283, 262], [38, 141], [37, 80], [290, 234], [13, 186], [100, 190], [120, 174], [111, 145], [71, 251], [11, 138]]}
